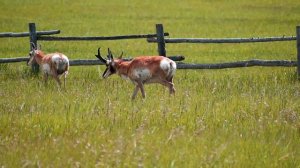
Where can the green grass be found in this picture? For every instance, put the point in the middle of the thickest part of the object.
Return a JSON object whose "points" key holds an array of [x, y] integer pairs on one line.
{"points": [[244, 117]]}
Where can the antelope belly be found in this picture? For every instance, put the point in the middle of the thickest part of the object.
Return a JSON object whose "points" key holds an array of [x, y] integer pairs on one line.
{"points": [[124, 77], [142, 74]]}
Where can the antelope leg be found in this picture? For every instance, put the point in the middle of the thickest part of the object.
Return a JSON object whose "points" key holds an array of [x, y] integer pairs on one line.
{"points": [[136, 89]]}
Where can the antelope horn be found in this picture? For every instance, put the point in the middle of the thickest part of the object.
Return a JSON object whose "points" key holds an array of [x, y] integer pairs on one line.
{"points": [[110, 56], [99, 56], [33, 47]]}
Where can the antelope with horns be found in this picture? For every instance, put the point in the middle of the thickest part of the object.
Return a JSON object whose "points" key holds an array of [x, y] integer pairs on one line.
{"points": [[141, 70], [53, 64]]}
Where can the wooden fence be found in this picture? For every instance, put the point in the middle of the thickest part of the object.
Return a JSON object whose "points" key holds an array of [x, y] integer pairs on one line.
{"points": [[161, 41], [35, 36], [286, 63]]}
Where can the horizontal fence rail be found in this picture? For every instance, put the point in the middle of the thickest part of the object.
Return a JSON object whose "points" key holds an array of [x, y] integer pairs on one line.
{"points": [[81, 62], [123, 37], [78, 62], [180, 65], [12, 60], [224, 40], [239, 64], [27, 34]]}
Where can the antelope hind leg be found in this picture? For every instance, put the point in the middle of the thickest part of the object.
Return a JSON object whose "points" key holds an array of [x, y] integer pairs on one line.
{"points": [[170, 85], [57, 80]]}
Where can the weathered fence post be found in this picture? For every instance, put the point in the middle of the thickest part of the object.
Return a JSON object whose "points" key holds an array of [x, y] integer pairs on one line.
{"points": [[160, 40], [33, 39], [298, 51]]}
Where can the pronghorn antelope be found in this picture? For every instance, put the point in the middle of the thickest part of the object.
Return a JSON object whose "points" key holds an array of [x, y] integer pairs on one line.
{"points": [[141, 70], [53, 64]]}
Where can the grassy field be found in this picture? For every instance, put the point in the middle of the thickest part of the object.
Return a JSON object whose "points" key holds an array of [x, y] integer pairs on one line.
{"points": [[245, 117]]}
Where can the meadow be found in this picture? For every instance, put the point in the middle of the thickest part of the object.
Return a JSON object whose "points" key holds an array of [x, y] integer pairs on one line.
{"points": [[243, 117]]}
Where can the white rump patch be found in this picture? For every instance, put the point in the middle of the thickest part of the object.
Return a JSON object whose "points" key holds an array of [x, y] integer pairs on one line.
{"points": [[60, 60], [65, 58], [168, 66], [173, 68], [55, 58], [165, 65]]}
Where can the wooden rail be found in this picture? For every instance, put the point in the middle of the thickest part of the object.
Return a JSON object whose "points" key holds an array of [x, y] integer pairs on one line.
{"points": [[52, 38], [224, 40], [78, 62], [11, 60], [239, 64], [27, 34]]}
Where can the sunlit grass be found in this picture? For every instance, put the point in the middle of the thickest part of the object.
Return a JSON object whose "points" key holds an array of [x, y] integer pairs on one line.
{"points": [[244, 117]]}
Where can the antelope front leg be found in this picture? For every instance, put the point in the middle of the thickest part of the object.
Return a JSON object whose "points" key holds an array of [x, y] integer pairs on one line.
{"points": [[136, 89], [45, 78], [141, 86]]}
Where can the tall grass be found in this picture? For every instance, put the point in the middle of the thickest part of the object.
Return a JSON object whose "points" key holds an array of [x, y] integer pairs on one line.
{"points": [[218, 118]]}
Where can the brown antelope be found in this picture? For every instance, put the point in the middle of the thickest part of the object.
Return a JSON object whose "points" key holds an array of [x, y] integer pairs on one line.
{"points": [[141, 70], [53, 64]]}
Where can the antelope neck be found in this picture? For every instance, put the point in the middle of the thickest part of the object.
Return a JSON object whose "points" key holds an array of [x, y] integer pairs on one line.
{"points": [[122, 66], [39, 56]]}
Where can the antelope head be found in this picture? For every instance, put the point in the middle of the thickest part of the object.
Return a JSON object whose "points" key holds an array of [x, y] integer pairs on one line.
{"points": [[33, 51], [110, 66], [32, 54], [109, 62]]}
